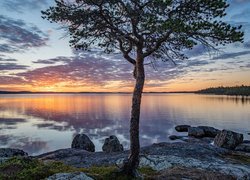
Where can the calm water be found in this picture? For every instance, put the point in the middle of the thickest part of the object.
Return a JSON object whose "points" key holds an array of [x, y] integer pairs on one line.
{"points": [[41, 123]]}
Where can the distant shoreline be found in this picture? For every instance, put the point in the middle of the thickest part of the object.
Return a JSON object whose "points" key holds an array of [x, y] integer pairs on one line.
{"points": [[29, 92], [230, 91]]}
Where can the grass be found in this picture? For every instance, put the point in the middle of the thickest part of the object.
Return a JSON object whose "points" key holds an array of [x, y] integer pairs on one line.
{"points": [[23, 168]]}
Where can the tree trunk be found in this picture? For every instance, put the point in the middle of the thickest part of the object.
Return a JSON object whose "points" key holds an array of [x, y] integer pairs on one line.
{"points": [[131, 164]]}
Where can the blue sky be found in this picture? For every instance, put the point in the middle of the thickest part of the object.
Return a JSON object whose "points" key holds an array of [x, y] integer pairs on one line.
{"points": [[35, 55]]}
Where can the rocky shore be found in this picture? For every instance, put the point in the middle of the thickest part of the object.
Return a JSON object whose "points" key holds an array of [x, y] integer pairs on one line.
{"points": [[204, 153]]}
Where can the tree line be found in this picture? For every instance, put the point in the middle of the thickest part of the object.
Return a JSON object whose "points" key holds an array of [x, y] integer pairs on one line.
{"points": [[235, 90]]}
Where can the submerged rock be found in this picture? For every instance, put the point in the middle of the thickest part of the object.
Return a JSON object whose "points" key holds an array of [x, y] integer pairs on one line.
{"points": [[82, 141], [209, 131], [196, 132], [246, 141], [112, 144], [73, 176], [174, 137], [182, 128], [228, 139], [245, 147]]}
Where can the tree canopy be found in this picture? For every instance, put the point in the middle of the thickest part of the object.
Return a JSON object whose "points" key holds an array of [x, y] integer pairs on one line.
{"points": [[162, 28]]}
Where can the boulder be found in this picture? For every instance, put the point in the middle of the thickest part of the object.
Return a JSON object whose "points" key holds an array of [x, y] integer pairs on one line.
{"points": [[196, 132], [73, 176], [182, 128], [82, 141], [209, 131], [112, 144], [228, 139], [243, 147]]}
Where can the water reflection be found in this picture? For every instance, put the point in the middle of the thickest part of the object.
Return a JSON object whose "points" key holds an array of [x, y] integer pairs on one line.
{"points": [[41, 123], [241, 100]]}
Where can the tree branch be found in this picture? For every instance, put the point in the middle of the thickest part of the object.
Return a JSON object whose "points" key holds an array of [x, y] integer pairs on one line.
{"points": [[157, 45]]}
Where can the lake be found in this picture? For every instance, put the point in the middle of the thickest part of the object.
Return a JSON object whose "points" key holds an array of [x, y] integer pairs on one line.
{"points": [[39, 123]]}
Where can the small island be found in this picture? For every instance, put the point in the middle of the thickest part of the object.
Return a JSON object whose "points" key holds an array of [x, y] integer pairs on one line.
{"points": [[233, 91]]}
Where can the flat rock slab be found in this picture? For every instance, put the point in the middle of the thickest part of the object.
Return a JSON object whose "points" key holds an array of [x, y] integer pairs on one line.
{"points": [[191, 173], [72, 176], [83, 158], [160, 157]]}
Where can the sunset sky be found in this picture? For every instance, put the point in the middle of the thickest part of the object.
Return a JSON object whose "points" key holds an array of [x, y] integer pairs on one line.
{"points": [[35, 56]]}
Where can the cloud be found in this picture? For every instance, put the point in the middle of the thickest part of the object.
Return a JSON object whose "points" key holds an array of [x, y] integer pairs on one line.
{"points": [[17, 36], [58, 59], [88, 70], [91, 70], [11, 80], [11, 66], [231, 55], [23, 5], [7, 59]]}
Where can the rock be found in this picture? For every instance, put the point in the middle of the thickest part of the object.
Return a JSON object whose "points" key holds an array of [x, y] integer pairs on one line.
{"points": [[162, 156], [209, 131], [8, 152], [182, 128], [82, 141], [228, 139], [206, 140], [112, 144], [191, 173], [156, 162], [196, 132], [72, 176], [243, 147], [174, 137], [246, 141]]}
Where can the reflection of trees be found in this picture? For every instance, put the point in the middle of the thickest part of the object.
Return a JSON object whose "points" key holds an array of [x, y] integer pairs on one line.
{"points": [[236, 99]]}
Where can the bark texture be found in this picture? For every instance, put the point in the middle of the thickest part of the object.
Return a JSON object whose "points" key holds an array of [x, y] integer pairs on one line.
{"points": [[132, 163]]}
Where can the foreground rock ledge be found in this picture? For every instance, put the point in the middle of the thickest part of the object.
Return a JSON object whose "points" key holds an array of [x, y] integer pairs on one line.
{"points": [[164, 156]]}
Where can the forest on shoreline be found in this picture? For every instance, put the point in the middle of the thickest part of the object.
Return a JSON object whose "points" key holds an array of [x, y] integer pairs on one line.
{"points": [[235, 90]]}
